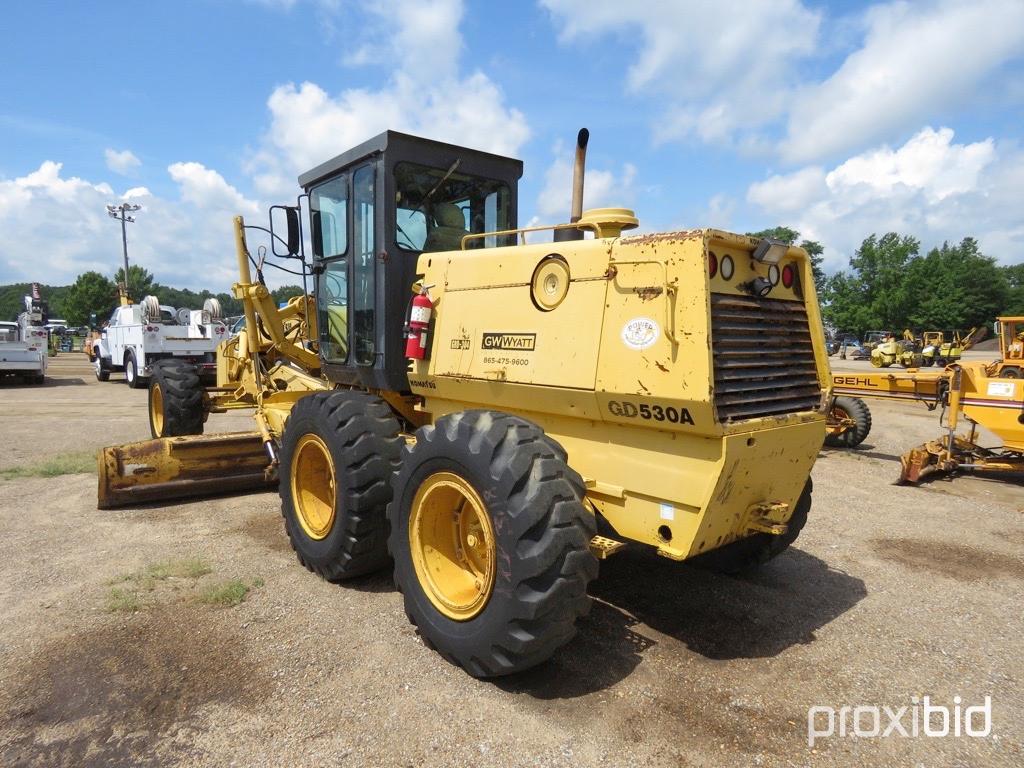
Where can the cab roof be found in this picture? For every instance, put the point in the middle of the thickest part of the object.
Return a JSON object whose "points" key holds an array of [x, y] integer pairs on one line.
{"points": [[416, 148]]}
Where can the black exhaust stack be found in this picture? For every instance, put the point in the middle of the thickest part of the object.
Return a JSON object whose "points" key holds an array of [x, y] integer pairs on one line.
{"points": [[578, 172]]}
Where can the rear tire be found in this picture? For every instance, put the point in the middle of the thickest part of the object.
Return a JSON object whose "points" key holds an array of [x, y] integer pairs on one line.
{"points": [[748, 554], [338, 453], [856, 409], [175, 400], [536, 542], [102, 369], [131, 371]]}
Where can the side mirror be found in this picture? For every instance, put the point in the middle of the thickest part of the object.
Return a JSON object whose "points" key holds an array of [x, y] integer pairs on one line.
{"points": [[290, 244], [292, 215]]}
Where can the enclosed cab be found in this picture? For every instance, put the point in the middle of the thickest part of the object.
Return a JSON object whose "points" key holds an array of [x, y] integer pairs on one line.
{"points": [[373, 211]]}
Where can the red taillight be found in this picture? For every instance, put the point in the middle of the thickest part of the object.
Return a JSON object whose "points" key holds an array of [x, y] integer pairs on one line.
{"points": [[151, 329], [712, 264], [787, 276]]}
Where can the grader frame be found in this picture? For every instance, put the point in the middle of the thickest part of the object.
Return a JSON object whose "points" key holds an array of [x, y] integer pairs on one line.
{"points": [[573, 395]]}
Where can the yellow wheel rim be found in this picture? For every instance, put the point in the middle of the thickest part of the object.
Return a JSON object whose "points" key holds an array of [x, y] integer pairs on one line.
{"points": [[452, 545], [156, 409], [312, 482]]}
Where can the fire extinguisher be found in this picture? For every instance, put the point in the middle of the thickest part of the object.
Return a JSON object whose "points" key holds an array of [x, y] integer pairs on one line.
{"points": [[419, 322]]}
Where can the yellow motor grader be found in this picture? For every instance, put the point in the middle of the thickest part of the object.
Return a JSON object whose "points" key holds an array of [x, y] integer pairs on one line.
{"points": [[1010, 364], [494, 416], [970, 394]]}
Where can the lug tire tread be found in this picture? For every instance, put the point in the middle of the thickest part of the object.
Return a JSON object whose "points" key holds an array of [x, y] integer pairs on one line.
{"points": [[363, 436], [544, 536], [182, 392]]}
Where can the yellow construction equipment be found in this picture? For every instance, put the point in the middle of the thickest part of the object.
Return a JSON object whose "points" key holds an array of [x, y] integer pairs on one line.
{"points": [[905, 351], [1010, 364], [521, 412], [935, 350], [965, 392]]}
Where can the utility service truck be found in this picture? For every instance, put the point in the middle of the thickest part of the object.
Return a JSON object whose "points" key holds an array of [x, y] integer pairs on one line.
{"points": [[139, 335], [23, 345]]}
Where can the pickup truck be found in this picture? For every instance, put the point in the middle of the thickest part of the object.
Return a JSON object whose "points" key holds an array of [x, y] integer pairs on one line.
{"points": [[139, 335], [23, 345]]}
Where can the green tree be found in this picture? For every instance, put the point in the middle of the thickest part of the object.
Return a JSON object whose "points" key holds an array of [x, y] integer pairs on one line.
{"points": [[285, 292], [1014, 276], [873, 294], [814, 249], [140, 281], [12, 299], [91, 293], [955, 286]]}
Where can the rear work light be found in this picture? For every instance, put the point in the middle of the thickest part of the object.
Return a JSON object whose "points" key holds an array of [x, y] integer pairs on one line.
{"points": [[727, 267], [787, 275]]}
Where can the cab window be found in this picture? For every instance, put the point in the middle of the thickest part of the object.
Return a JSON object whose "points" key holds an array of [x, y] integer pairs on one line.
{"points": [[328, 204], [437, 207], [332, 310], [364, 264]]}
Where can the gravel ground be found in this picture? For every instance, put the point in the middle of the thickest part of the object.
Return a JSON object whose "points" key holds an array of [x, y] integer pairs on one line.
{"points": [[890, 593]]}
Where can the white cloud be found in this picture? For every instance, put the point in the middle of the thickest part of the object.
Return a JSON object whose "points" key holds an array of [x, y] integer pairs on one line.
{"points": [[931, 188], [726, 66], [425, 94], [124, 162], [601, 188], [207, 189], [916, 60], [62, 223], [789, 193]]}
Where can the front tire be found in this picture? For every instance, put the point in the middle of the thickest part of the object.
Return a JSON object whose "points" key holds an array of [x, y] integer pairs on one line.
{"points": [[490, 539], [1010, 372], [131, 371], [856, 409], [338, 452], [102, 369], [175, 400]]}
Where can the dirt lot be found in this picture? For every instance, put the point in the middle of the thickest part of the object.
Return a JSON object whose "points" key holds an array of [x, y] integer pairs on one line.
{"points": [[890, 593]]}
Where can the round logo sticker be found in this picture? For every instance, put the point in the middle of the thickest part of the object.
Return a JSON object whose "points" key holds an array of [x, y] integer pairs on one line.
{"points": [[640, 333]]}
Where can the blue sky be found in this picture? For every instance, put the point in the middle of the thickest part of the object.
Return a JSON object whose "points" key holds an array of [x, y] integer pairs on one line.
{"points": [[838, 119]]}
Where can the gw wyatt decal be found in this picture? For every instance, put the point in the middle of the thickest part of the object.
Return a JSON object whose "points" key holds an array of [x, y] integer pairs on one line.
{"points": [[514, 342]]}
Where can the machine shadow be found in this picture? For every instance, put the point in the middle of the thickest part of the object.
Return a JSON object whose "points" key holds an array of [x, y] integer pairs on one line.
{"points": [[716, 616]]}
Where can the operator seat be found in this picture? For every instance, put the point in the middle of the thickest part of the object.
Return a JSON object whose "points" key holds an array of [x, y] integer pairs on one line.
{"points": [[450, 229]]}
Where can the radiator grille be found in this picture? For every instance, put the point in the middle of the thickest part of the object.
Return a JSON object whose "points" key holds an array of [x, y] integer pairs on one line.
{"points": [[763, 357]]}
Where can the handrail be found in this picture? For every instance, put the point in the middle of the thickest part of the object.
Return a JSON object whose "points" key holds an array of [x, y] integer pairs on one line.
{"points": [[521, 231]]}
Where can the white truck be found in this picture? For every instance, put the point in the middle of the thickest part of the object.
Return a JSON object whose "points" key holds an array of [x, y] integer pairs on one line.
{"points": [[23, 345], [139, 335]]}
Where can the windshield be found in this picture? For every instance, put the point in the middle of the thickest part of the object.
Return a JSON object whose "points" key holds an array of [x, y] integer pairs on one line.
{"points": [[437, 207]]}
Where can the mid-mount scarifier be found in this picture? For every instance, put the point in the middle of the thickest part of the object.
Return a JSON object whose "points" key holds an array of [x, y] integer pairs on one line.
{"points": [[521, 414]]}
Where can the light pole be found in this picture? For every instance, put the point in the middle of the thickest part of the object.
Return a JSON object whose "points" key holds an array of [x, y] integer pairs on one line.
{"points": [[121, 212]]}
